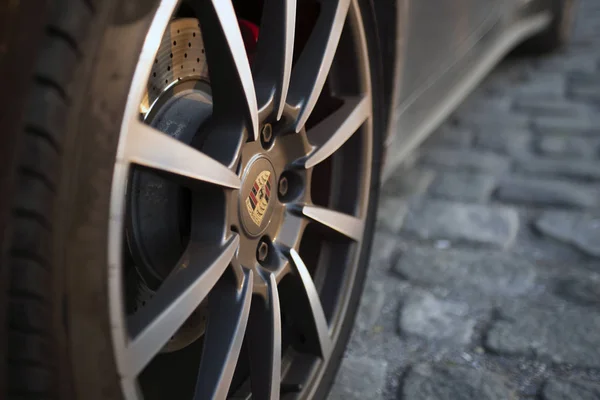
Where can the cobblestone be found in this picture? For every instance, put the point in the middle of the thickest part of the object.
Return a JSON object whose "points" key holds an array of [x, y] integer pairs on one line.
{"points": [[581, 63], [425, 315], [457, 222], [454, 383], [459, 271], [582, 291], [412, 181], [560, 335], [541, 106], [547, 192], [514, 142], [479, 102], [570, 390], [391, 213], [370, 309], [533, 245], [579, 229], [563, 125], [453, 136], [547, 85], [463, 186], [384, 246], [576, 169], [359, 378], [585, 93], [585, 87], [567, 146], [466, 160], [501, 120]]}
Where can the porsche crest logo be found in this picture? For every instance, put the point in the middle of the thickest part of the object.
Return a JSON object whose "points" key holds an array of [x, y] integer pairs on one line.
{"points": [[258, 199]]}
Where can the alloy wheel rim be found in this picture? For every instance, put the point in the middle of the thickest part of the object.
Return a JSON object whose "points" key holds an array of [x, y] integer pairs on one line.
{"points": [[242, 290]]}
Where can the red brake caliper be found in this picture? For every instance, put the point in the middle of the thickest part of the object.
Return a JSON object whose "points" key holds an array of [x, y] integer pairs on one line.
{"points": [[250, 36]]}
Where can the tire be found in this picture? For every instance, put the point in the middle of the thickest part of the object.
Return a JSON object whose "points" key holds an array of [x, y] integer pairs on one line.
{"points": [[558, 33], [59, 331]]}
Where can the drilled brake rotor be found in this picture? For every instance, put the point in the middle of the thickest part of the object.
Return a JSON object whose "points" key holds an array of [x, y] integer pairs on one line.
{"points": [[180, 57]]}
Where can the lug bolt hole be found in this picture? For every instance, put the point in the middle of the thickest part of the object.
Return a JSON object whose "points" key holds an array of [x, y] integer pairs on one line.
{"points": [[266, 135], [290, 186], [262, 252], [283, 186]]}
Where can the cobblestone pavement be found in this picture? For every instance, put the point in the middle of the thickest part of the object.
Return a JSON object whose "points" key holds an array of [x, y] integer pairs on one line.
{"points": [[485, 274]]}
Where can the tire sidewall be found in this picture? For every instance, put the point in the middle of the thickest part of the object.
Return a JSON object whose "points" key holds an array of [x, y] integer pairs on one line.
{"points": [[84, 195]]}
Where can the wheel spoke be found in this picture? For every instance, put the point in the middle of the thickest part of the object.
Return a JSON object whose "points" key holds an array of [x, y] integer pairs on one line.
{"points": [[330, 134], [177, 298], [149, 147], [228, 316], [345, 224], [139, 83], [312, 68], [228, 67], [316, 309], [264, 333], [273, 62]]}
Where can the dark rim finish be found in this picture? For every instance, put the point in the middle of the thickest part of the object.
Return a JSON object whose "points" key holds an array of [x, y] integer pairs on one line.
{"points": [[272, 185]]}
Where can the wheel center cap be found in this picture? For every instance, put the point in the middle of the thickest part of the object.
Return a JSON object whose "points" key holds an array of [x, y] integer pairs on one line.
{"points": [[256, 203]]}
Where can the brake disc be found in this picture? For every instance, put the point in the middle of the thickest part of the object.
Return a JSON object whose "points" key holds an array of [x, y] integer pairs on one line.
{"points": [[180, 57]]}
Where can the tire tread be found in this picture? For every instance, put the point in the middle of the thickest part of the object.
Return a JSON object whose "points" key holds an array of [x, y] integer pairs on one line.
{"points": [[31, 361]]}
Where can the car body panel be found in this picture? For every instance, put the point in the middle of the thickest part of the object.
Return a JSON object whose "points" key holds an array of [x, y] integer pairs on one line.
{"points": [[436, 31], [442, 51]]}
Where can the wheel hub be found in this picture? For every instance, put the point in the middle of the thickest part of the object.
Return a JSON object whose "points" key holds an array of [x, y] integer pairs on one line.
{"points": [[257, 211], [256, 197]]}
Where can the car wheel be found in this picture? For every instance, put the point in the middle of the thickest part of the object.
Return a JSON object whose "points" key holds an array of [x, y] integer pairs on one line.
{"points": [[195, 188], [558, 33]]}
